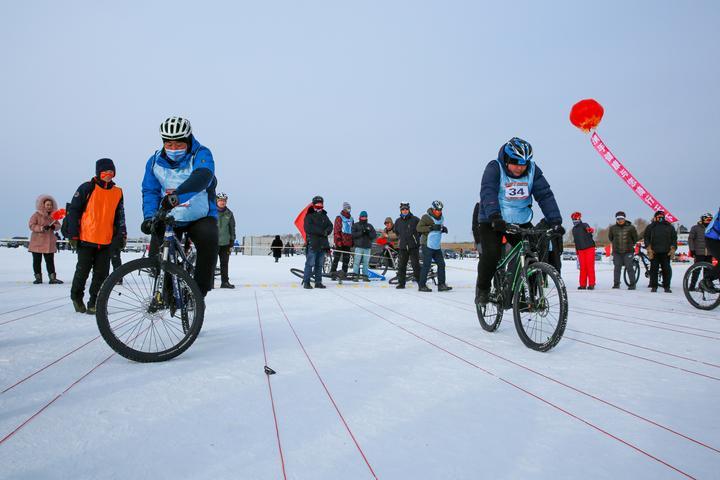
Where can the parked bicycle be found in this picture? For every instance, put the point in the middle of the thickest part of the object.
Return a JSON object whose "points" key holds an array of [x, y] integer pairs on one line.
{"points": [[632, 276], [533, 289], [151, 309], [696, 293]]}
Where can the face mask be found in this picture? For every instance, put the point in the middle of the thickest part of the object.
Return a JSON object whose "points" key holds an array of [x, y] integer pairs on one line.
{"points": [[106, 176], [175, 154]]}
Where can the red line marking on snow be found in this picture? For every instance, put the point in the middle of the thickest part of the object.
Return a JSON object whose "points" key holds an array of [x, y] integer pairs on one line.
{"points": [[327, 391], [693, 312], [32, 314], [634, 447], [48, 365], [33, 416], [272, 400], [651, 321], [64, 297]]}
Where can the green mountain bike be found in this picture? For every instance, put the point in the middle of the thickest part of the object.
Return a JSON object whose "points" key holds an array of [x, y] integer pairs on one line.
{"points": [[533, 289]]}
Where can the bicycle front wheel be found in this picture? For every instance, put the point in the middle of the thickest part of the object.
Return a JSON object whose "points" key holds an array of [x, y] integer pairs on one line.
{"points": [[540, 307], [693, 288], [631, 276], [143, 323]]}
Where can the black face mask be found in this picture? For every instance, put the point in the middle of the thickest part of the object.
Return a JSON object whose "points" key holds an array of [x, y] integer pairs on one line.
{"points": [[659, 219]]}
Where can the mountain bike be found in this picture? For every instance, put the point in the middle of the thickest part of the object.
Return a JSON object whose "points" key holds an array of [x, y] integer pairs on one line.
{"points": [[151, 309], [533, 289], [699, 296], [632, 276]]}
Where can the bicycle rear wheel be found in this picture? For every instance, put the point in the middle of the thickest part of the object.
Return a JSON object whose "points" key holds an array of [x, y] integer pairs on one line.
{"points": [[540, 307], [698, 296], [491, 314], [145, 325]]}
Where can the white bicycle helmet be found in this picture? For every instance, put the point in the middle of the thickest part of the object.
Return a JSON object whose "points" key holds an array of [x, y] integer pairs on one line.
{"points": [[175, 128], [221, 196]]}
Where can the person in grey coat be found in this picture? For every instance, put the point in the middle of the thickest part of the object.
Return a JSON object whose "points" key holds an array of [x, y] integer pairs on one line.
{"points": [[698, 247]]}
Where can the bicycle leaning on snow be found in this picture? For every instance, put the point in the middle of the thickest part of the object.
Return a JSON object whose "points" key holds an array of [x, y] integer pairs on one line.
{"points": [[151, 309], [533, 289], [699, 291]]}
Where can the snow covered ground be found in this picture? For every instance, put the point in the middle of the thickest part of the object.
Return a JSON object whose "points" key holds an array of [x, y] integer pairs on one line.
{"points": [[371, 382]]}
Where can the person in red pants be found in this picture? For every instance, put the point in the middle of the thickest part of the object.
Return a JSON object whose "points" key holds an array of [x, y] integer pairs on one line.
{"points": [[585, 247]]}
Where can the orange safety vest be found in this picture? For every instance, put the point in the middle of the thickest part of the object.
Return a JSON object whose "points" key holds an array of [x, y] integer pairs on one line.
{"points": [[98, 221]]}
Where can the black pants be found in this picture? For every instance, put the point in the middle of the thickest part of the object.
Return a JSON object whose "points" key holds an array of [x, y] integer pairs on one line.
{"points": [[341, 253], [430, 254], [204, 234], [660, 260], [49, 262], [90, 258], [404, 255], [714, 247], [696, 273], [115, 257], [492, 249], [224, 257]]}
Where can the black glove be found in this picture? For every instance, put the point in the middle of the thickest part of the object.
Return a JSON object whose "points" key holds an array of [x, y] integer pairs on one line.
{"points": [[498, 224], [558, 229], [47, 228], [146, 226], [443, 229], [436, 228], [169, 201]]}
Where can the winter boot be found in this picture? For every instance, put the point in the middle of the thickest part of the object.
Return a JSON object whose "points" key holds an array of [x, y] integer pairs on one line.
{"points": [[667, 290], [631, 287], [307, 286], [582, 288], [79, 306], [444, 288], [400, 286], [365, 278], [54, 280], [616, 285], [424, 288], [707, 285], [482, 297], [227, 285], [320, 285], [38, 279], [591, 287], [91, 306], [653, 289]]}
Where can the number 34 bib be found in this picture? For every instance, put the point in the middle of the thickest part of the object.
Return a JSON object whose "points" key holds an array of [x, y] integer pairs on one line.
{"points": [[517, 190]]}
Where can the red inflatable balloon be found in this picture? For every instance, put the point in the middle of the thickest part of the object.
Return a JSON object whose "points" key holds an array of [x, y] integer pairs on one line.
{"points": [[586, 114], [58, 214]]}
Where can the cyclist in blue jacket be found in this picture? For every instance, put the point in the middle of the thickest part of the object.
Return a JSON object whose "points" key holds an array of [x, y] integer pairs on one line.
{"points": [[180, 178], [712, 241], [509, 184]]}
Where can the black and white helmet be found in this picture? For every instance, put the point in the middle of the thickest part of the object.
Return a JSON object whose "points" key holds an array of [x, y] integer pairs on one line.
{"points": [[175, 128], [221, 196], [437, 205]]}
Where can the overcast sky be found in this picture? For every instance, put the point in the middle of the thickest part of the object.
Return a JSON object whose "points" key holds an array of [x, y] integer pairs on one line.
{"points": [[372, 102]]}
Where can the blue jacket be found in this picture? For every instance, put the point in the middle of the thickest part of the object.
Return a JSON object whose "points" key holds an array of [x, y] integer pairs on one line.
{"points": [[192, 177], [490, 190], [713, 230]]}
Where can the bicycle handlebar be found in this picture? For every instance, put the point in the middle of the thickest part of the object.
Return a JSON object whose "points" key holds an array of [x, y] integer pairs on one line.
{"points": [[515, 229]]}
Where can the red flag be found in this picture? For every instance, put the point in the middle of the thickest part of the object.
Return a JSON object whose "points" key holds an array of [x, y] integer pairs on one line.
{"points": [[59, 214], [300, 221]]}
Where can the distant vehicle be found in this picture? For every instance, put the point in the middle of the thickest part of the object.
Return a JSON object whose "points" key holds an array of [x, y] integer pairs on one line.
{"points": [[16, 242], [471, 254], [450, 253], [569, 255]]}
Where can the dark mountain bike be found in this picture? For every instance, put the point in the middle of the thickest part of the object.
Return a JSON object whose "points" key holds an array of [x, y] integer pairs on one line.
{"points": [[699, 296], [151, 309], [533, 289], [633, 275]]}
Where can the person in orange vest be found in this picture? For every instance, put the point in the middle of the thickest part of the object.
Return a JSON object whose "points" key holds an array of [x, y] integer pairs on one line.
{"points": [[96, 218]]}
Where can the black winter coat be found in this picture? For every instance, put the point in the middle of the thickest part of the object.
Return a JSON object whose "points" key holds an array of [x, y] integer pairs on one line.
{"points": [[583, 239], [363, 234], [660, 237], [476, 223], [406, 229], [277, 248], [317, 228], [623, 238]]}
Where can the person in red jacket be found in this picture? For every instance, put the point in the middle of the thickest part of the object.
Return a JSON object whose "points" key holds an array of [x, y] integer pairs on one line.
{"points": [[342, 236], [585, 247]]}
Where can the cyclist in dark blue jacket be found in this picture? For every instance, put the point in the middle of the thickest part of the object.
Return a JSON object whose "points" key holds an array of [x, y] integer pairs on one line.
{"points": [[509, 184], [712, 240], [180, 178]]}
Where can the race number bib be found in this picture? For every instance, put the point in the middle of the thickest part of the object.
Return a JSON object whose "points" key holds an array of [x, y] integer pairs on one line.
{"points": [[517, 190]]}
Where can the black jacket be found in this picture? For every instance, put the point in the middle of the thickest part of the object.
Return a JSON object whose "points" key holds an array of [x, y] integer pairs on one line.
{"points": [[660, 237], [623, 238], [406, 229], [476, 223], [583, 239], [76, 209], [317, 228], [363, 234], [277, 247]]}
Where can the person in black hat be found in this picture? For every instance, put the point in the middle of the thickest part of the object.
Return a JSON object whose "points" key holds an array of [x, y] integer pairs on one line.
{"points": [[623, 237], [661, 243], [317, 228], [95, 220]]}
